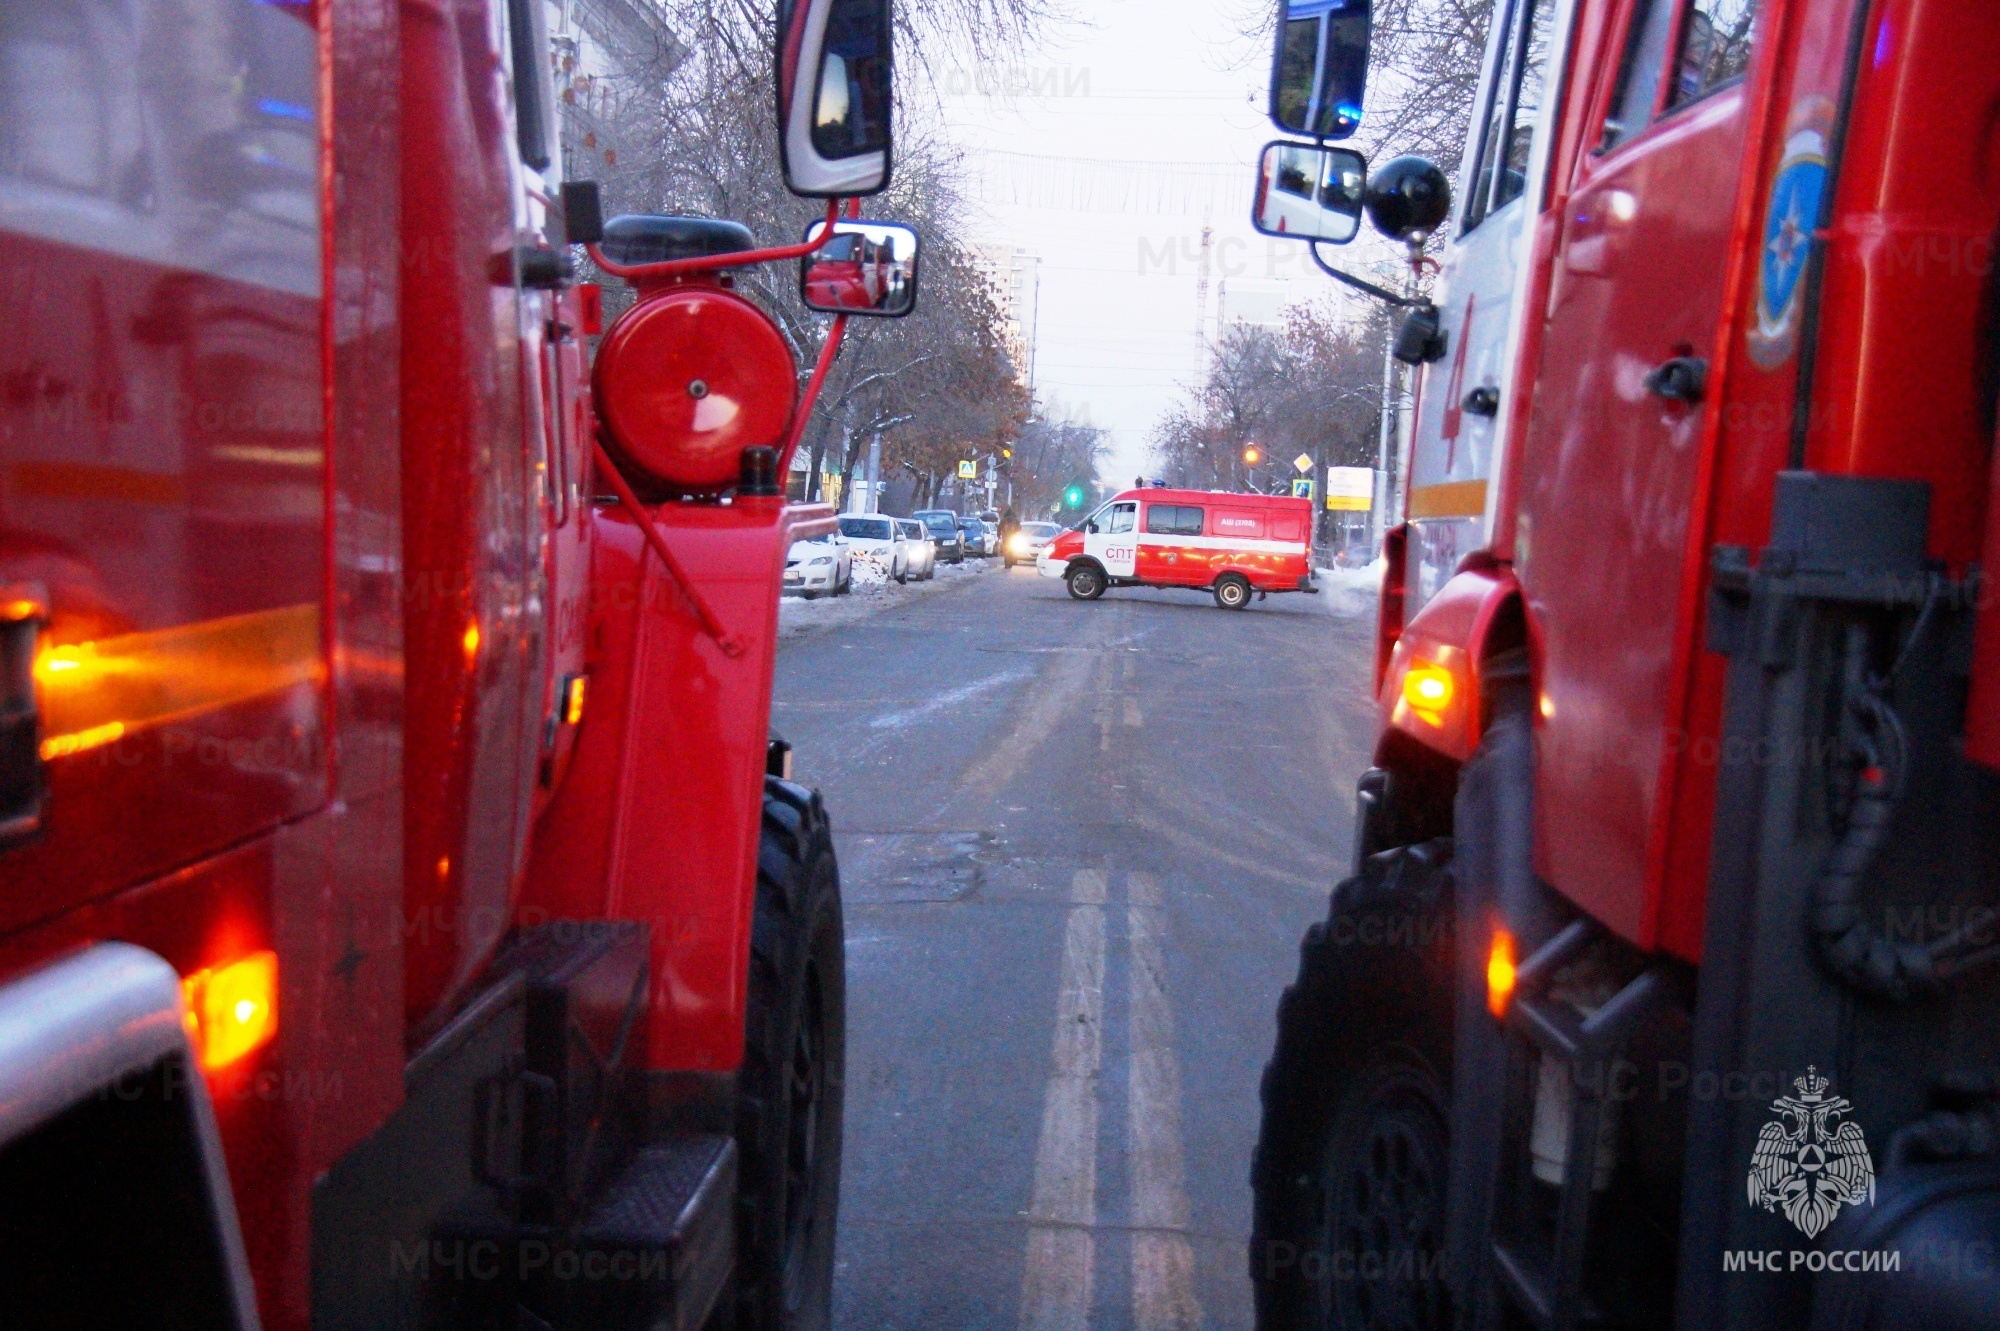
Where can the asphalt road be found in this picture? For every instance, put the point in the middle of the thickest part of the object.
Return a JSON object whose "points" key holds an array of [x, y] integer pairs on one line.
{"points": [[1078, 844]]}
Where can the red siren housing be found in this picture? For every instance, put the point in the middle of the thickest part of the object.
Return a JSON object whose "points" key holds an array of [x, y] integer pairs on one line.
{"points": [[685, 381]]}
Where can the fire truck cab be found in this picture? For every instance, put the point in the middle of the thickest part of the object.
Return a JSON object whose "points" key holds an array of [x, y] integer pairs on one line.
{"points": [[1235, 546]]}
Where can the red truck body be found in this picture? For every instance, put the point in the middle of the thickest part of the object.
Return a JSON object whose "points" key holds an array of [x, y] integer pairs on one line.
{"points": [[1684, 799], [338, 655], [1608, 496], [1197, 539]]}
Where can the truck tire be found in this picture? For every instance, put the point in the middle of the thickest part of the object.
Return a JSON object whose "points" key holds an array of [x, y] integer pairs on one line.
{"points": [[1232, 591], [1085, 581], [789, 1093], [1350, 1173]]}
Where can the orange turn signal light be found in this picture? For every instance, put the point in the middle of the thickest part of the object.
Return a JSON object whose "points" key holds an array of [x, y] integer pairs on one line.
{"points": [[1500, 973], [232, 1010], [1428, 688]]}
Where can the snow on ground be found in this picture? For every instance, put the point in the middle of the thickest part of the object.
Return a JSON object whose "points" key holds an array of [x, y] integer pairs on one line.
{"points": [[872, 592], [1350, 593]]}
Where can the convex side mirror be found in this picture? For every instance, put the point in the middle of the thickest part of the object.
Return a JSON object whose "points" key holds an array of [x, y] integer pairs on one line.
{"points": [[868, 268], [1309, 192], [836, 84]]}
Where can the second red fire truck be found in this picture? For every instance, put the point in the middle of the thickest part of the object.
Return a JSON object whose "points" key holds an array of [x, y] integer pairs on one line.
{"points": [[1662, 989]]}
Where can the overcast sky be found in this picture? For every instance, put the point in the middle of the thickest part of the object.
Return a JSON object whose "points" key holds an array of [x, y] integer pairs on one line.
{"points": [[1105, 152]]}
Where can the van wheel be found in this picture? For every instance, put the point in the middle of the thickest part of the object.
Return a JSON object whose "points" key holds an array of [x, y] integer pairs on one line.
{"points": [[788, 1116], [1232, 591], [1085, 582]]}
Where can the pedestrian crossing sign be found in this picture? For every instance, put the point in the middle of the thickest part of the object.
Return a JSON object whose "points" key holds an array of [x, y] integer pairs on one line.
{"points": [[1302, 487], [968, 471]]}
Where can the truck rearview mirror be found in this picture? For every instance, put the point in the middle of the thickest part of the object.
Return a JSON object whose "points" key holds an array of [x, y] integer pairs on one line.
{"points": [[836, 84], [1306, 192], [868, 268], [1320, 67]]}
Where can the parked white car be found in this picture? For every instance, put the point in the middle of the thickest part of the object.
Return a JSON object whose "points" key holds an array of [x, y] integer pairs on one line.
{"points": [[923, 550], [821, 566], [878, 538]]}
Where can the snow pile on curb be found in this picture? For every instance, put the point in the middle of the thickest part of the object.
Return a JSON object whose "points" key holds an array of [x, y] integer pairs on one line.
{"points": [[869, 571], [1350, 593]]}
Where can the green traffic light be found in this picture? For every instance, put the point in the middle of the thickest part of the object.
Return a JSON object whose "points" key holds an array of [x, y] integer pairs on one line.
{"points": [[1073, 496]]}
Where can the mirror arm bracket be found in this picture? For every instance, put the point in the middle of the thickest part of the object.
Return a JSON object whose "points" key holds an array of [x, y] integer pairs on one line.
{"points": [[1361, 284], [810, 398], [637, 273], [731, 644]]}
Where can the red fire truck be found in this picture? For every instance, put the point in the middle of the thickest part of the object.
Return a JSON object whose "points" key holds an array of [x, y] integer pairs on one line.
{"points": [[405, 917], [1234, 546], [1660, 993]]}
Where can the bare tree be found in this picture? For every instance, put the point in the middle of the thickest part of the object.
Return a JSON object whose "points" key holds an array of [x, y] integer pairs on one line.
{"points": [[937, 382], [1426, 59], [1054, 452], [1312, 388]]}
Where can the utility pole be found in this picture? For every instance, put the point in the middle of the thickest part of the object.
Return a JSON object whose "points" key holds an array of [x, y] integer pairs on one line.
{"points": [[1201, 288], [874, 473], [1384, 477]]}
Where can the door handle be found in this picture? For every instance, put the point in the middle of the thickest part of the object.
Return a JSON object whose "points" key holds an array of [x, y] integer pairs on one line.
{"points": [[24, 608], [1682, 379]]}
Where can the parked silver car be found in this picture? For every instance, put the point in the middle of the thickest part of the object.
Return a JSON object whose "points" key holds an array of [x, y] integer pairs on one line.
{"points": [[923, 550]]}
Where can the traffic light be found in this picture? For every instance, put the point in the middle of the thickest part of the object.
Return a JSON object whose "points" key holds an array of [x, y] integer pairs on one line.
{"points": [[1073, 497], [1252, 455]]}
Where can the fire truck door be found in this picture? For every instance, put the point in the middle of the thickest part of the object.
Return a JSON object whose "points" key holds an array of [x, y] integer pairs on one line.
{"points": [[1161, 556], [1609, 462], [1114, 543], [162, 463]]}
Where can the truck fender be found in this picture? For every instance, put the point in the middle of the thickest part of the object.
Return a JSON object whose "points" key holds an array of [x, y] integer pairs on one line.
{"points": [[1429, 689]]}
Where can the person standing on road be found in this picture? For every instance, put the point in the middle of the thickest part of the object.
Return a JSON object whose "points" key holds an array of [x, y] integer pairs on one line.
{"points": [[1008, 523]]}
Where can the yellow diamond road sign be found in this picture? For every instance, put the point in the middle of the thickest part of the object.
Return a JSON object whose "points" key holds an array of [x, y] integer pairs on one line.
{"points": [[1303, 462]]}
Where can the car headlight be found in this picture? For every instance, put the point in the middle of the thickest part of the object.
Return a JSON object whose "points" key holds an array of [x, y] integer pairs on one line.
{"points": [[822, 560]]}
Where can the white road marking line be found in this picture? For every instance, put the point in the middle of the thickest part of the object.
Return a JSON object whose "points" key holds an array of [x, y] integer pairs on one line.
{"points": [[1163, 1295], [1104, 721], [1056, 1276], [939, 702], [1132, 711]]}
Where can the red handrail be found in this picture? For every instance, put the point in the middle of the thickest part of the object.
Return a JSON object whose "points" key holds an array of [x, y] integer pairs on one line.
{"points": [[637, 273]]}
